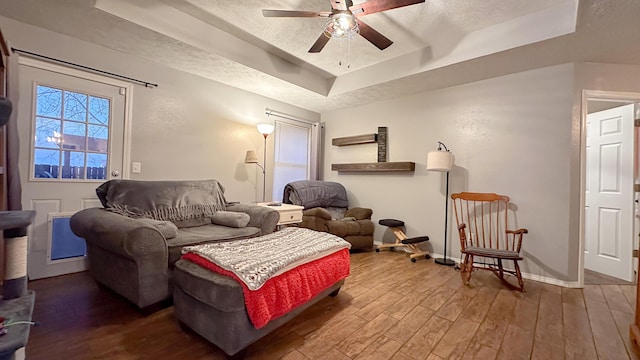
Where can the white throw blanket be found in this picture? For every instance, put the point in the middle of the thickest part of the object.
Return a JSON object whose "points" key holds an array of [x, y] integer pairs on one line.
{"points": [[256, 260]]}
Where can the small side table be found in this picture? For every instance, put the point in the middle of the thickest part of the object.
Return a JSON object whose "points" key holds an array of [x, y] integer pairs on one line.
{"points": [[289, 214]]}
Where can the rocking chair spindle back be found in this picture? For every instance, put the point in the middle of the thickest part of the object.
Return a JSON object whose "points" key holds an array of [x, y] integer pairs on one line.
{"points": [[485, 237]]}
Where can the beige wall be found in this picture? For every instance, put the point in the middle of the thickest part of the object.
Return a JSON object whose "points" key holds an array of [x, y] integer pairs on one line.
{"points": [[188, 127], [519, 135], [510, 135]]}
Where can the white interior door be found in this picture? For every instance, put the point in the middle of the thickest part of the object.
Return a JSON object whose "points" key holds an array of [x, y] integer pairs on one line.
{"points": [[609, 193], [72, 136]]}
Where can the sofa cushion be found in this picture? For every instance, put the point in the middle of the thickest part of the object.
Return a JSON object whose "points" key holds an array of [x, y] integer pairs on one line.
{"points": [[198, 221], [231, 219], [168, 229], [343, 228], [359, 213], [204, 234]]}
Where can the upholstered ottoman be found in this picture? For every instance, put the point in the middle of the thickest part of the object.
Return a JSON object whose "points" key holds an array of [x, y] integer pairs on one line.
{"points": [[221, 307]]}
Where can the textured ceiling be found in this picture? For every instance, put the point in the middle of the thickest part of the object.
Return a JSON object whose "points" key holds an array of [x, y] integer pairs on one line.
{"points": [[437, 44]]}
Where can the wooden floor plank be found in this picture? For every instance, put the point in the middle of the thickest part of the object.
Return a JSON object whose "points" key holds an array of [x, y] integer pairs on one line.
{"points": [[616, 299], [477, 351], [497, 320], [454, 306], [572, 296], [381, 349], [578, 338], [404, 329], [294, 355], [454, 343], [480, 304], [549, 328], [406, 304], [525, 315], [389, 308], [593, 292], [543, 351], [366, 335], [426, 338], [602, 324], [629, 292], [516, 344], [388, 300], [623, 320]]}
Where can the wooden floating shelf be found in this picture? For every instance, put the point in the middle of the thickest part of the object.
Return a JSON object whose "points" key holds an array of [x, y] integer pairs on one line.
{"points": [[376, 167], [355, 140]]}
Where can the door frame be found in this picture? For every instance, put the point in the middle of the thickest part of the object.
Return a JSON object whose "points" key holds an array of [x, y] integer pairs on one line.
{"points": [[128, 100], [629, 97], [126, 89]]}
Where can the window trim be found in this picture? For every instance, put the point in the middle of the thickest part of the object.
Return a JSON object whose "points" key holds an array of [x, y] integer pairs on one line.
{"points": [[125, 87]]}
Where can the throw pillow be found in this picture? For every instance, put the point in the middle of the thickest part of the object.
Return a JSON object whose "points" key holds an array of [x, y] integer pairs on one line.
{"points": [[231, 219]]}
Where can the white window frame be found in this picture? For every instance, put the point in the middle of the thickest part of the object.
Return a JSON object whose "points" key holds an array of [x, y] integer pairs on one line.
{"points": [[314, 152]]}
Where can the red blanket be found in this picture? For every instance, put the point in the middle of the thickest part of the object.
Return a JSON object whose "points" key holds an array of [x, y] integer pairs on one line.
{"points": [[283, 293]]}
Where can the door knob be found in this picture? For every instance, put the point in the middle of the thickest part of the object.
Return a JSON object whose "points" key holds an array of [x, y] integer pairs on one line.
{"points": [[115, 173]]}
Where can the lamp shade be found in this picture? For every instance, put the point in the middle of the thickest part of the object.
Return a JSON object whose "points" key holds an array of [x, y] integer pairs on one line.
{"points": [[265, 129], [439, 160], [251, 157]]}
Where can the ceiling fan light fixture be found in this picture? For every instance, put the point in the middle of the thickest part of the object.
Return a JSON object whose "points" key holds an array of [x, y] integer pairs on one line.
{"points": [[342, 25]]}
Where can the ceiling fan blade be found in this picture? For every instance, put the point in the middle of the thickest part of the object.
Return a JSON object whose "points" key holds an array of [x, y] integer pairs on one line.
{"points": [[374, 6], [294, 13], [319, 44], [374, 37]]}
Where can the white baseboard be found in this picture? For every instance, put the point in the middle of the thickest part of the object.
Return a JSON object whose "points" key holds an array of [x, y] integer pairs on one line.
{"points": [[551, 281], [534, 277]]}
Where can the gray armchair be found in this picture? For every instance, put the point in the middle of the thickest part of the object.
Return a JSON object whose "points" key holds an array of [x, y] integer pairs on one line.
{"points": [[326, 208]]}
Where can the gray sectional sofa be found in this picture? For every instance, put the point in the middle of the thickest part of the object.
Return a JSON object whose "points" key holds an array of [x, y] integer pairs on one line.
{"points": [[134, 241]]}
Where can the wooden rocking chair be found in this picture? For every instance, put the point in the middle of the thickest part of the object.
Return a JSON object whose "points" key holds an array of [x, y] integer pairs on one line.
{"points": [[485, 237]]}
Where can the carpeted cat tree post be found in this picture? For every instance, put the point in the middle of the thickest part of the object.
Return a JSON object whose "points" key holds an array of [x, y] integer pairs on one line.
{"points": [[17, 302]]}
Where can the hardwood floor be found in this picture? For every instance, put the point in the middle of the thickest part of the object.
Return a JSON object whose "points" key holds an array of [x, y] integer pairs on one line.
{"points": [[389, 308]]}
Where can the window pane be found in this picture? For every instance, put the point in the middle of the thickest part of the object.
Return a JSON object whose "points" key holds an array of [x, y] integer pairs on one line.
{"points": [[74, 135], [293, 147], [75, 106], [96, 166], [291, 155], [98, 138], [71, 134], [46, 163], [47, 133], [98, 110], [73, 167], [48, 101]]}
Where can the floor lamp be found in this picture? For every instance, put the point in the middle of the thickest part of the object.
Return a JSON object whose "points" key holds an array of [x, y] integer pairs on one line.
{"points": [[252, 158], [442, 160]]}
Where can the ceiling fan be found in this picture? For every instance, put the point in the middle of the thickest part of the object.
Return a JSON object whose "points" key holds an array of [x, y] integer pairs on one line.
{"points": [[344, 20]]}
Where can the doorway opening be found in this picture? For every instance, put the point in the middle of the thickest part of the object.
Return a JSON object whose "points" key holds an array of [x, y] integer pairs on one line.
{"points": [[609, 224]]}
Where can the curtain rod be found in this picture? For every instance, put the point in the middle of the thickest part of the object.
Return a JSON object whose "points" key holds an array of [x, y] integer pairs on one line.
{"points": [[24, 52], [270, 112]]}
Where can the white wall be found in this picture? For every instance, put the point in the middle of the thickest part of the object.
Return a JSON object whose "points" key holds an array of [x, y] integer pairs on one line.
{"points": [[511, 135], [188, 127]]}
